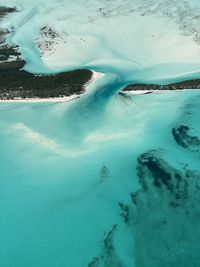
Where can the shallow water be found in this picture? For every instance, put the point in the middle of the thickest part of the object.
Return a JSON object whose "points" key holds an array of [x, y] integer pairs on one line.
{"points": [[64, 169], [68, 169]]}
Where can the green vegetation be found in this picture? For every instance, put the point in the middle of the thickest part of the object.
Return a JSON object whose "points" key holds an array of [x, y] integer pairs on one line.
{"points": [[189, 84]]}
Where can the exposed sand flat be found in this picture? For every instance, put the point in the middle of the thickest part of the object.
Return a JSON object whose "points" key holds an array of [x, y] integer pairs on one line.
{"points": [[170, 44]]}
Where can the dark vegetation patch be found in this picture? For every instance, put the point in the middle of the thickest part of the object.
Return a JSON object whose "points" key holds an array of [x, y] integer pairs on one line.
{"points": [[4, 10], [189, 84], [6, 52], [15, 83]]}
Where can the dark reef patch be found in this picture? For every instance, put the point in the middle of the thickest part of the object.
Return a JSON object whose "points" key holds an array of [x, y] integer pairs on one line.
{"points": [[164, 214], [160, 175], [184, 139], [153, 172], [125, 211], [108, 257]]}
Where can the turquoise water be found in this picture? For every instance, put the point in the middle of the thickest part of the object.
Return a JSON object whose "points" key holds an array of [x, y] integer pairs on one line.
{"points": [[66, 166], [103, 180]]}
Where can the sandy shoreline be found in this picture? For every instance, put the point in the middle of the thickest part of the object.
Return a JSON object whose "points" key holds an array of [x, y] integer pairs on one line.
{"points": [[95, 76], [143, 92], [37, 100], [138, 92]]}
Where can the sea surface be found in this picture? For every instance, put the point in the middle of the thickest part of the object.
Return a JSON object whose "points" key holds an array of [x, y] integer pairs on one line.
{"points": [[108, 179]]}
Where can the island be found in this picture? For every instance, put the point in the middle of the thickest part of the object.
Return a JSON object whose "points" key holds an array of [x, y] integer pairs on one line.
{"points": [[17, 83]]}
